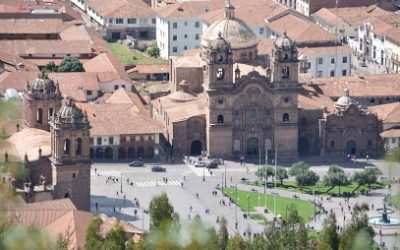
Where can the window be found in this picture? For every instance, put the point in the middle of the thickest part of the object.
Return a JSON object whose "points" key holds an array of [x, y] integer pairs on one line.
{"points": [[197, 24], [174, 37], [369, 142], [39, 116], [332, 60], [91, 141], [115, 87], [111, 20], [393, 140], [285, 117], [220, 101], [119, 21], [73, 175], [174, 25], [111, 140], [236, 145], [285, 72], [50, 114], [185, 47], [131, 20], [332, 143], [197, 36], [153, 21], [253, 113], [78, 146], [261, 31], [98, 140], [344, 59], [185, 23], [320, 60], [88, 92], [220, 119], [332, 73], [319, 73], [67, 145], [220, 74], [344, 72], [174, 49], [185, 36]]}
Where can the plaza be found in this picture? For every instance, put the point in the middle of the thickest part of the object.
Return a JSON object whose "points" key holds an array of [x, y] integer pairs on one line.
{"points": [[190, 195]]}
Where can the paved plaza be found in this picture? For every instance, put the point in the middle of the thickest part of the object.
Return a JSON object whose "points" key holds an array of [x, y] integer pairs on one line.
{"points": [[129, 199]]}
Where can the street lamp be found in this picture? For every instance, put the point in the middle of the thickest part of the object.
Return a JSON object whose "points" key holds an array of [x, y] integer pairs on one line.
{"points": [[248, 204], [276, 164], [121, 182], [236, 201], [225, 175], [204, 177]]}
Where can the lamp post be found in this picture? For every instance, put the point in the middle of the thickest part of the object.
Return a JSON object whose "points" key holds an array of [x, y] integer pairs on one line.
{"points": [[121, 183], [236, 201], [258, 194], [225, 175], [204, 177], [276, 163], [248, 204]]}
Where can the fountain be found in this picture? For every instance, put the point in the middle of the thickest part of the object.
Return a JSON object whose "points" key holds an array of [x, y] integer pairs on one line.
{"points": [[384, 219]]}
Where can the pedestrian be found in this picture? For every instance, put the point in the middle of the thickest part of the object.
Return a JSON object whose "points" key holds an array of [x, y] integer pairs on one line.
{"points": [[124, 197], [114, 209], [95, 170], [120, 208], [189, 216], [190, 208], [96, 205], [117, 193]]}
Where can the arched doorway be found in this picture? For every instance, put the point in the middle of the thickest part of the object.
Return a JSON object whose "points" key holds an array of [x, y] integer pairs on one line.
{"points": [[140, 152], [131, 153], [108, 153], [121, 153], [196, 147], [351, 147], [304, 146], [252, 146], [99, 153]]}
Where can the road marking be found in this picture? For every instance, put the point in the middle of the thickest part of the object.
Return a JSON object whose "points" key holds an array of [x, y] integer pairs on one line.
{"points": [[157, 183]]}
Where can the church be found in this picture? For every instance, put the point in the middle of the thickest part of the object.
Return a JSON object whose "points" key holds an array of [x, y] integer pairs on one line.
{"points": [[222, 104]]}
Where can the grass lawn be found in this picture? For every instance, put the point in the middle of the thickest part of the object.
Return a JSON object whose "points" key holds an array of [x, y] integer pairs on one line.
{"points": [[305, 208], [127, 56], [319, 189]]}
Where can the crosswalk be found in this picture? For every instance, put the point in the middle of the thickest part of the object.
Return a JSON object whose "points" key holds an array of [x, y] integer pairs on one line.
{"points": [[157, 183]]}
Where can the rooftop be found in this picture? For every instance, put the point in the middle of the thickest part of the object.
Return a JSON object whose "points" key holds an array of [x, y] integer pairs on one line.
{"points": [[30, 26], [122, 8]]}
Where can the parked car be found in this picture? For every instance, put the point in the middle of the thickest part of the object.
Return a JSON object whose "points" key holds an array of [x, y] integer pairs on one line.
{"points": [[200, 164], [136, 164], [213, 163], [245, 179], [158, 169]]}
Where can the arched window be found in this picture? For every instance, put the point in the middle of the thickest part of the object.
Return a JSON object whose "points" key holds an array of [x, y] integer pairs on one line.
{"points": [[285, 117], [220, 58], [50, 112], [220, 119], [67, 145], [79, 146], [39, 116], [220, 73], [285, 72]]}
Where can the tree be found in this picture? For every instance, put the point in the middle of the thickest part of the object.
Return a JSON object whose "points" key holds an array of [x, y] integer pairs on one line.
{"points": [[236, 243], [115, 239], [70, 64], [161, 211], [94, 240], [335, 177], [223, 235], [153, 51], [50, 67], [329, 236], [281, 174], [265, 172], [366, 177], [298, 167], [306, 178]]}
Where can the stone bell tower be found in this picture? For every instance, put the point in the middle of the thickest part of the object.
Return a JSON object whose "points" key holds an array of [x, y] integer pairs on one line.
{"points": [[42, 98], [70, 157]]}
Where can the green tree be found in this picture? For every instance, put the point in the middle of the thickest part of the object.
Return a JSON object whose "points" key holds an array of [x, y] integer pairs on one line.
{"points": [[329, 236], [50, 67], [236, 243], [223, 235], [293, 233], [212, 242], [363, 241], [115, 239], [306, 178], [265, 172], [281, 174], [366, 177], [70, 64], [335, 177], [94, 240], [298, 167], [153, 51], [161, 211]]}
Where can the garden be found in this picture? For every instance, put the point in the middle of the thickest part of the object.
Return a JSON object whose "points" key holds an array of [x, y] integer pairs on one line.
{"points": [[128, 56]]}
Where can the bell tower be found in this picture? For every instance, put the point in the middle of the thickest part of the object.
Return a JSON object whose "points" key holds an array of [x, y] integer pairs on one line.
{"points": [[285, 65], [42, 98], [70, 157]]}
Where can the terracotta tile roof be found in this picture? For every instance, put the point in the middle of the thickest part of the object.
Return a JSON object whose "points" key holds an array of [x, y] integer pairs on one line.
{"points": [[265, 46], [300, 30], [25, 47], [30, 26], [391, 133], [122, 8], [41, 62], [314, 51], [100, 63], [150, 68], [309, 99], [29, 141], [379, 27], [363, 86], [388, 113], [111, 222], [189, 8], [15, 63], [315, 5], [75, 33]]}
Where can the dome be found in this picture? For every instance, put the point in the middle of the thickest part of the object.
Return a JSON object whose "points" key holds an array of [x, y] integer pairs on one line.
{"points": [[284, 42], [43, 84], [232, 30], [70, 113], [345, 101], [220, 44]]}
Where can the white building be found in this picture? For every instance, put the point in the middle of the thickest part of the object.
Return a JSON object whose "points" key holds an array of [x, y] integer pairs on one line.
{"points": [[120, 18], [327, 61]]}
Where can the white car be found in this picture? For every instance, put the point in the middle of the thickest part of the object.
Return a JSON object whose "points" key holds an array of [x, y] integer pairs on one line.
{"points": [[200, 164]]}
